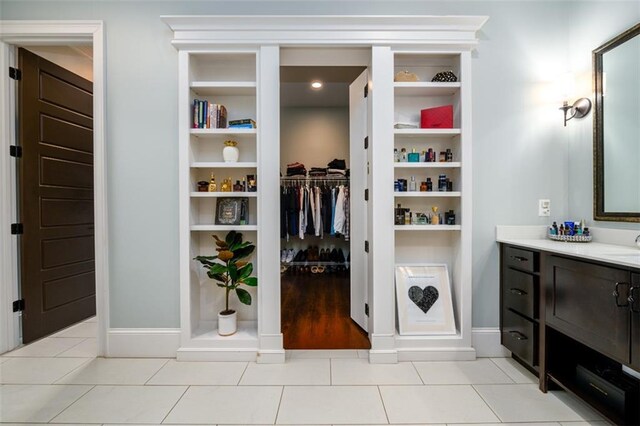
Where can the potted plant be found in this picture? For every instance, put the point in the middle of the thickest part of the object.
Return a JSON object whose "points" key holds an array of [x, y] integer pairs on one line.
{"points": [[230, 271]]}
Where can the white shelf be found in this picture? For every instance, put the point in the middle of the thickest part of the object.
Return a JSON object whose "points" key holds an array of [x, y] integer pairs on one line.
{"points": [[426, 88], [426, 132], [425, 165], [207, 228], [427, 227], [229, 132], [223, 165], [224, 88], [196, 194], [431, 194]]}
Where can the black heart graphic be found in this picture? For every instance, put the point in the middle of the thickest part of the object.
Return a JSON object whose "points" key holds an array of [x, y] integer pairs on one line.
{"points": [[424, 299]]}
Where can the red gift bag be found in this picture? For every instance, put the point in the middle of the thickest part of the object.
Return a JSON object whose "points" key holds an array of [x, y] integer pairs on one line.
{"points": [[437, 118]]}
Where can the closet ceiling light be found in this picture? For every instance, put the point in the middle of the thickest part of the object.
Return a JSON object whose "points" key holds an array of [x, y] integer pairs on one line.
{"points": [[316, 85]]}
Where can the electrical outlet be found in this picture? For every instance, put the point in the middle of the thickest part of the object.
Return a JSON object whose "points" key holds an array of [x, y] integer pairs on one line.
{"points": [[544, 207]]}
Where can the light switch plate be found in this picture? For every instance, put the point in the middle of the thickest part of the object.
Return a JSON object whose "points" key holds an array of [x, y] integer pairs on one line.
{"points": [[544, 207]]}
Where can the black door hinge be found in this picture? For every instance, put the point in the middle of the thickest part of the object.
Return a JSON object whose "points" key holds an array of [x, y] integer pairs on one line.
{"points": [[366, 246], [17, 229], [366, 194], [15, 74], [366, 90], [366, 142], [366, 309], [18, 305], [15, 151]]}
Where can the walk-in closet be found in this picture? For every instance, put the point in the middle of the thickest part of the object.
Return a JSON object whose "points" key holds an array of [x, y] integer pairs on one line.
{"points": [[317, 211]]}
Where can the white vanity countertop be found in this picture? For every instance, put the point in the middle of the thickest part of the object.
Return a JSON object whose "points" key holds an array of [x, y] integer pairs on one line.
{"points": [[601, 252]]}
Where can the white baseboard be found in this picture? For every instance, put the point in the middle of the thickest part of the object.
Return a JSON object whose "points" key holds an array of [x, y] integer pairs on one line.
{"points": [[143, 342], [486, 341]]}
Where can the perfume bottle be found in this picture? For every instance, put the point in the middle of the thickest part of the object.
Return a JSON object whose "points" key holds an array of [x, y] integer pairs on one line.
{"points": [[429, 185], [413, 156], [423, 186], [435, 219], [413, 184], [212, 184], [403, 155], [243, 213], [396, 155], [226, 185], [449, 155], [238, 187], [244, 185]]}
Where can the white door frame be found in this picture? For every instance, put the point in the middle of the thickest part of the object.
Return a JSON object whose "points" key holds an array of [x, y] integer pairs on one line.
{"points": [[25, 33]]}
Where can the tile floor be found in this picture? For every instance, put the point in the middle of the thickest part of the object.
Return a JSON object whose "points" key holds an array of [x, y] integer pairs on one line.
{"points": [[59, 380]]}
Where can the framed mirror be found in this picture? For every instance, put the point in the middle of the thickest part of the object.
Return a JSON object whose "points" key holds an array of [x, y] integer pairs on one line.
{"points": [[616, 78]]}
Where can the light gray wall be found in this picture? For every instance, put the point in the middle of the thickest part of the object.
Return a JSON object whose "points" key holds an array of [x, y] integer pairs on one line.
{"points": [[519, 144], [592, 24]]}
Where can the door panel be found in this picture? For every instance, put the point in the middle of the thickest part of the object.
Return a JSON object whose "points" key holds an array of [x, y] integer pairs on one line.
{"points": [[55, 179], [358, 182]]}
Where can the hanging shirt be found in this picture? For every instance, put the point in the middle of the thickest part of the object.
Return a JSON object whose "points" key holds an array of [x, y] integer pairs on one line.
{"points": [[301, 223], [317, 221], [333, 210], [339, 215]]}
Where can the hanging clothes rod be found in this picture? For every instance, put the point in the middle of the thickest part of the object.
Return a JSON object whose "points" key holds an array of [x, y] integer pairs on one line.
{"points": [[314, 178]]}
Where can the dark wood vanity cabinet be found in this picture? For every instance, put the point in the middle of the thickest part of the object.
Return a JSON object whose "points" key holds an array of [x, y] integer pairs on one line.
{"points": [[589, 303], [519, 303]]}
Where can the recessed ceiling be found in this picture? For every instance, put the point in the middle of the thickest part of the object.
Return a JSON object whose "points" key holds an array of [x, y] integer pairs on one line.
{"points": [[296, 91]]}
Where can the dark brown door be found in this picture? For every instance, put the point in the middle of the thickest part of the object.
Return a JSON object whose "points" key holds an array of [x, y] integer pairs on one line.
{"points": [[635, 325], [55, 181]]}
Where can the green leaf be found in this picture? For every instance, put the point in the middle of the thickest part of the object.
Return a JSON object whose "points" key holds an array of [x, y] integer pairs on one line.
{"points": [[206, 260], [245, 271], [217, 277], [218, 268], [231, 236], [233, 271], [244, 252], [244, 296], [251, 281]]}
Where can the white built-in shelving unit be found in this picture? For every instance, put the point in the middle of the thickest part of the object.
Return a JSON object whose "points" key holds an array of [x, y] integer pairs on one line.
{"points": [[451, 245], [228, 78]]}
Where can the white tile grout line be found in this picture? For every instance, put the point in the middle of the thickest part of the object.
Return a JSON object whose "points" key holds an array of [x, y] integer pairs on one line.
{"points": [[84, 339], [275, 421], [174, 405], [417, 372], [74, 401], [384, 407], [243, 371], [157, 371], [486, 403], [508, 375], [330, 372]]}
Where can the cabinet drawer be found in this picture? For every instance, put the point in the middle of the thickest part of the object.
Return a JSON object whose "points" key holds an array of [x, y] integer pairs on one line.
{"points": [[521, 259], [519, 293], [520, 336]]}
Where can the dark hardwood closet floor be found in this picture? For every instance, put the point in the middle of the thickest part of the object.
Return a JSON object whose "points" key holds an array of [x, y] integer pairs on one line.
{"points": [[315, 313]]}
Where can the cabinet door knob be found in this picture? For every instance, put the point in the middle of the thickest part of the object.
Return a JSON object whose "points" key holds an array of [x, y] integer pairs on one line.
{"points": [[616, 295], [517, 335], [632, 299], [517, 291]]}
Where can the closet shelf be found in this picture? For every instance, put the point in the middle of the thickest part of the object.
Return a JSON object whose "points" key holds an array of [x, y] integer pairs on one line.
{"points": [[425, 165], [431, 194], [230, 132], [224, 88], [427, 227], [223, 165], [224, 228], [426, 89], [424, 133], [222, 194]]}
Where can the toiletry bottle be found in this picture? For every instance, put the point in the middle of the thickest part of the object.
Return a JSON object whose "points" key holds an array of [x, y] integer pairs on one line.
{"points": [[435, 219], [423, 156], [238, 187], [396, 155], [429, 185], [399, 220], [554, 229], [412, 184], [413, 156], [449, 185], [244, 185], [423, 186], [243, 213], [442, 182], [449, 155], [212, 184], [407, 217], [403, 155], [443, 156], [430, 155]]}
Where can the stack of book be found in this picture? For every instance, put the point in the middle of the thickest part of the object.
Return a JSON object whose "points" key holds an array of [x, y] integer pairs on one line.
{"points": [[207, 115], [245, 123]]}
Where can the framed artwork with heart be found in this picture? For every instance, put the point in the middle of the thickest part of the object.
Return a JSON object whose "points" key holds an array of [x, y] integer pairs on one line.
{"points": [[423, 297]]}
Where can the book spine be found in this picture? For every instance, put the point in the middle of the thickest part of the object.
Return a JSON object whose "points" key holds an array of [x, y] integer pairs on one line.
{"points": [[194, 121]]}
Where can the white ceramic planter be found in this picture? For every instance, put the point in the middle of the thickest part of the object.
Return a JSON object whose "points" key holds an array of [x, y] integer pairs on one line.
{"points": [[227, 324], [230, 152]]}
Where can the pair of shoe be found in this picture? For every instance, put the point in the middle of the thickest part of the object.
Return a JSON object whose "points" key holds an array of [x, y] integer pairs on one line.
{"points": [[301, 256], [336, 255], [286, 256], [313, 254]]}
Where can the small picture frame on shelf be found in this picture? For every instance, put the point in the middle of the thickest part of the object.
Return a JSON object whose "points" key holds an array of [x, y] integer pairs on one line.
{"points": [[232, 211], [423, 297]]}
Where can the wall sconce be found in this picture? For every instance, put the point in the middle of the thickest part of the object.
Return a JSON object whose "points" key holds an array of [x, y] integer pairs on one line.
{"points": [[579, 109]]}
